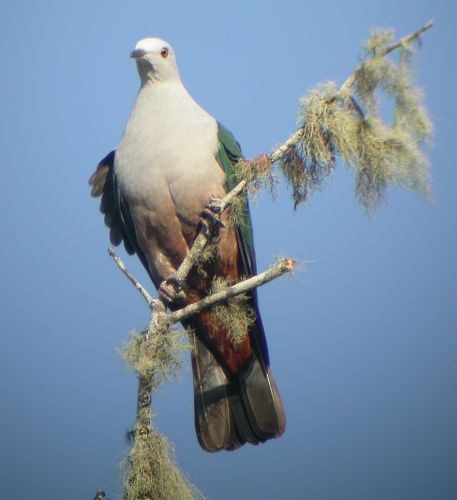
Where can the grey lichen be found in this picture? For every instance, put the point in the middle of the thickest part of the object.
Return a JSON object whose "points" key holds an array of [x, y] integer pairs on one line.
{"points": [[156, 356], [347, 122], [258, 173], [235, 315], [150, 472]]}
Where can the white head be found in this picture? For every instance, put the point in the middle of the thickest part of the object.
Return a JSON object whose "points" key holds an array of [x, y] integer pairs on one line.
{"points": [[155, 60]]}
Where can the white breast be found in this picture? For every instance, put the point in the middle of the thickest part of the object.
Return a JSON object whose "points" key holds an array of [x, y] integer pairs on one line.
{"points": [[169, 142]]}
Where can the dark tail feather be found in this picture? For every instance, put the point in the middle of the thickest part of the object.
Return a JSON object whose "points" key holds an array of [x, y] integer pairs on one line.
{"points": [[214, 421], [229, 413], [261, 401]]}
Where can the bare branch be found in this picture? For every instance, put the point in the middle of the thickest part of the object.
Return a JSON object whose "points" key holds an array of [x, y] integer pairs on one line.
{"points": [[206, 228], [228, 199], [147, 297], [406, 40], [296, 137], [293, 140], [199, 244], [281, 267]]}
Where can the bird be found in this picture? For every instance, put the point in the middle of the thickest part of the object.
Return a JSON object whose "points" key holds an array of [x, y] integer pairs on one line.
{"points": [[173, 159]]}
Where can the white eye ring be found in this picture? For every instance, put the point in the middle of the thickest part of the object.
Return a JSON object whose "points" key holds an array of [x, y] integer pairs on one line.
{"points": [[164, 52]]}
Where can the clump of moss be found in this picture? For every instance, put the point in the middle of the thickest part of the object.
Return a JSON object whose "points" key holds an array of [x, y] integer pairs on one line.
{"points": [[236, 213], [347, 123], [206, 255], [154, 356], [236, 315], [258, 173], [378, 41], [150, 472]]}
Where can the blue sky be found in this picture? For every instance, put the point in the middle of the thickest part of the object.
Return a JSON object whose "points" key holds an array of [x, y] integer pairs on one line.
{"points": [[362, 344]]}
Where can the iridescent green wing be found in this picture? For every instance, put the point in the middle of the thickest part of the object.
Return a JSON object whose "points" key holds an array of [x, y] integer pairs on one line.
{"points": [[229, 153]]}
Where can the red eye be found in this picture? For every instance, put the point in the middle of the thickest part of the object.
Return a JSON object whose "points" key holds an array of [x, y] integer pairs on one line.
{"points": [[164, 52]]}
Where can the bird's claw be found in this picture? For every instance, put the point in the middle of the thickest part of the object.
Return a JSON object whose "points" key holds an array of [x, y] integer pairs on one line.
{"points": [[170, 291], [215, 205], [212, 212]]}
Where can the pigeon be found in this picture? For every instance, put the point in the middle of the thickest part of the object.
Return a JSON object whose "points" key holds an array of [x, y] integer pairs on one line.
{"points": [[173, 159]]}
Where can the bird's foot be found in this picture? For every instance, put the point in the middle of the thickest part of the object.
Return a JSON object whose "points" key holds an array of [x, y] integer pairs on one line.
{"points": [[212, 212], [171, 292], [215, 205]]}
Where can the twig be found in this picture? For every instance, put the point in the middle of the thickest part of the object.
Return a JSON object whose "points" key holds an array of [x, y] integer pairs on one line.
{"points": [[281, 267], [282, 150], [199, 244], [228, 199], [406, 40], [399, 43], [295, 138], [274, 156], [151, 302], [206, 229]]}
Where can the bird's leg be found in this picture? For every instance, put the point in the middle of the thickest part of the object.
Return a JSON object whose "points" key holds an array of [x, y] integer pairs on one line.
{"points": [[171, 292]]}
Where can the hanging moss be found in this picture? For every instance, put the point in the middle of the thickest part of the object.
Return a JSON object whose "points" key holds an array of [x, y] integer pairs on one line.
{"points": [[347, 123], [155, 356], [150, 472], [258, 173], [236, 315]]}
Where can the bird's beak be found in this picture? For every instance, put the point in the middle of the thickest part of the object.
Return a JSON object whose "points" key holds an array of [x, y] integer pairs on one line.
{"points": [[137, 53]]}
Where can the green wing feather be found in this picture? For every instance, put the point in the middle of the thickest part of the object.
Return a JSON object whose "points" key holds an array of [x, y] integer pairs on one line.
{"points": [[229, 153]]}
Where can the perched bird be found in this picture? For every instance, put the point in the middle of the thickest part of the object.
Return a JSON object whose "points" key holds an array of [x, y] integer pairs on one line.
{"points": [[172, 160]]}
